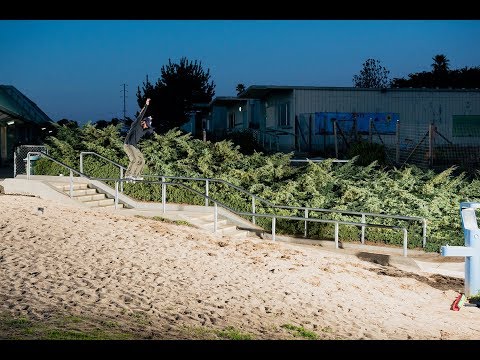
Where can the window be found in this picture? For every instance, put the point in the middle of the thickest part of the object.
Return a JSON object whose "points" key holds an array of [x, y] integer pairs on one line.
{"points": [[465, 125], [231, 120], [283, 114]]}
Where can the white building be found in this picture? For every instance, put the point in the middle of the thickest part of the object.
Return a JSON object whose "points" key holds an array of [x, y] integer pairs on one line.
{"points": [[409, 122]]}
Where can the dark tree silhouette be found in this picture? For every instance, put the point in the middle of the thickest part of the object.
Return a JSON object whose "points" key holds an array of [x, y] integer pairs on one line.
{"points": [[173, 97], [68, 123], [372, 75], [441, 77], [240, 88]]}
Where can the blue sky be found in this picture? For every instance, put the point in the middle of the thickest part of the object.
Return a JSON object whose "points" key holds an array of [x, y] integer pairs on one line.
{"points": [[76, 69]]}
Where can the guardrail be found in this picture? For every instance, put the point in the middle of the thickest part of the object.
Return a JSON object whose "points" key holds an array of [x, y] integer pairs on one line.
{"points": [[254, 198], [217, 202]]}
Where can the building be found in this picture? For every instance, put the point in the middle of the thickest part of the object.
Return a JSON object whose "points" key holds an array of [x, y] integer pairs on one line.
{"points": [[413, 124], [21, 122]]}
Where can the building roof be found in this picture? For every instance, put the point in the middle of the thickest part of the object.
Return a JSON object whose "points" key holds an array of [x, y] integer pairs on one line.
{"points": [[227, 101], [16, 106], [261, 91]]}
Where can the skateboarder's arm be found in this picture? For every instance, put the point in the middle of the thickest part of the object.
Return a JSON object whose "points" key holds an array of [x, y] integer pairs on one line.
{"points": [[142, 112]]}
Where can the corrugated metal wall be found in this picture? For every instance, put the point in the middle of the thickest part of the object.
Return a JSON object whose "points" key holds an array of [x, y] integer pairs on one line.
{"points": [[415, 142], [417, 107]]}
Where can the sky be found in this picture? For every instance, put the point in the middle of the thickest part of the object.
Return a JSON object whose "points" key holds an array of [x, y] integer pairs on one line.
{"points": [[78, 69]]}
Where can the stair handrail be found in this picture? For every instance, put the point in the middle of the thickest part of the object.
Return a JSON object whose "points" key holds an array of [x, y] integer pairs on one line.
{"points": [[273, 216], [269, 204], [216, 202], [41, 154]]}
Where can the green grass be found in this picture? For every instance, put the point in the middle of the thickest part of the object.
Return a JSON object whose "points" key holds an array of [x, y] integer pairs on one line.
{"points": [[230, 333], [300, 331], [61, 328], [165, 220]]}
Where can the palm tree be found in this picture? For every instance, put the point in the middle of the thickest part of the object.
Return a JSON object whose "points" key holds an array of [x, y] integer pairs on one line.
{"points": [[440, 64]]}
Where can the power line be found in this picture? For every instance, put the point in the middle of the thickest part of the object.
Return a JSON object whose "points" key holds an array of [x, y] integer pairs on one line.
{"points": [[124, 96]]}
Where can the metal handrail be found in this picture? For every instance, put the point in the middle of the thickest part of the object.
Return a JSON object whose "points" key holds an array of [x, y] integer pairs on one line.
{"points": [[272, 216], [103, 157], [72, 170], [269, 204], [216, 203]]}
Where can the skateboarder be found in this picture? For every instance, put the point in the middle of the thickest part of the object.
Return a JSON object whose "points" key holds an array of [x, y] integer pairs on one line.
{"points": [[138, 129]]}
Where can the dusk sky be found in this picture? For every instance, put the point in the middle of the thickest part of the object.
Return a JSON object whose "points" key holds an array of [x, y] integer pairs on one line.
{"points": [[75, 69]]}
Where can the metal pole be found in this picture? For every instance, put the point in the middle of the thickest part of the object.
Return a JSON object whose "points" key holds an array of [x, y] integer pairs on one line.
{"points": [[273, 228], [206, 192], [81, 163], [71, 183], [424, 232], [336, 235], [363, 229], [253, 209], [164, 194], [15, 163], [215, 217], [116, 193], [405, 239], [121, 177], [28, 166], [305, 227]]}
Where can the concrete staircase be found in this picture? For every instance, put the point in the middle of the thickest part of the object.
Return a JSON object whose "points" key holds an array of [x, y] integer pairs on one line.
{"points": [[96, 194], [87, 195], [203, 219], [225, 226]]}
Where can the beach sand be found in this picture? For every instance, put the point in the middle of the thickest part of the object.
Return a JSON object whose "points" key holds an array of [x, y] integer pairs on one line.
{"points": [[187, 283]]}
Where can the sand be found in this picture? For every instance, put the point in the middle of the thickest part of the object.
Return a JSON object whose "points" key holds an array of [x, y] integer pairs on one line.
{"points": [[186, 283]]}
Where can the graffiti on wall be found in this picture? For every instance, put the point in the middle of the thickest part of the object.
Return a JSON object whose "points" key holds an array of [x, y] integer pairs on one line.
{"points": [[384, 123]]}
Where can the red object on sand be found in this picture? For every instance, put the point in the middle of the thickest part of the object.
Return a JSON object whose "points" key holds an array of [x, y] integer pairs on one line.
{"points": [[455, 306]]}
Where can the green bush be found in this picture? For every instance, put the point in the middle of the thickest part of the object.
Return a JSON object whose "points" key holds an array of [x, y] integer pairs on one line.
{"points": [[370, 187]]}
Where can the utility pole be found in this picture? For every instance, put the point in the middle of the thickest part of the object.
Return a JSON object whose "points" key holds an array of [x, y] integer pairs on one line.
{"points": [[124, 96]]}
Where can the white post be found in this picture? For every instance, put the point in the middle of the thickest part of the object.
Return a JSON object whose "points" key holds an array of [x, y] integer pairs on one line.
{"points": [[71, 183], [305, 230], [164, 194], [405, 239], [273, 228], [116, 194], [215, 217], [363, 229], [336, 235], [253, 209], [206, 192]]}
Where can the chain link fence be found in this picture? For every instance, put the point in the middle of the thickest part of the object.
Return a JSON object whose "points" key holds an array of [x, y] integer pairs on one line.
{"points": [[20, 158], [425, 145]]}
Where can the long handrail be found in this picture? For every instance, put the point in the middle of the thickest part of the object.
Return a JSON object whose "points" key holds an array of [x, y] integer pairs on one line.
{"points": [[72, 170], [216, 203], [272, 216], [269, 204]]}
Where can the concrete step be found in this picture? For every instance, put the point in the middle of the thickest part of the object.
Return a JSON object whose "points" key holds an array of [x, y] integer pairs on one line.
{"points": [[104, 202], [95, 196], [66, 187], [82, 192]]}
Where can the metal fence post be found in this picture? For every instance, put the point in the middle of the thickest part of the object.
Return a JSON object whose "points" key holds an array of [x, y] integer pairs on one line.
{"points": [[164, 194], [71, 183], [116, 194], [206, 192], [363, 229], [306, 217], [215, 217], [253, 209], [336, 235], [273, 228]]}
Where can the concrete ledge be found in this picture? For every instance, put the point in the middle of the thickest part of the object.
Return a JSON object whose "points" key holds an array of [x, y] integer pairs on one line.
{"points": [[34, 188]]}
